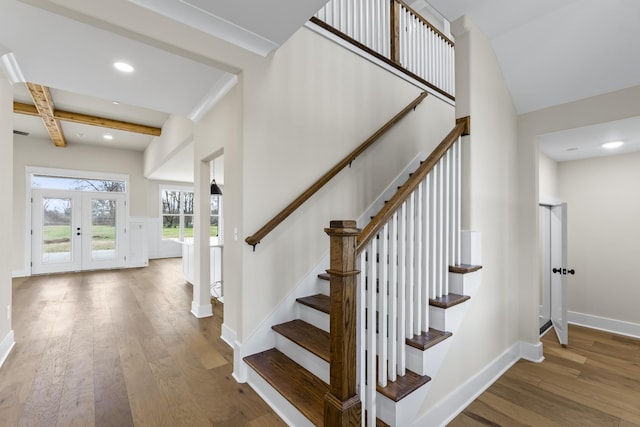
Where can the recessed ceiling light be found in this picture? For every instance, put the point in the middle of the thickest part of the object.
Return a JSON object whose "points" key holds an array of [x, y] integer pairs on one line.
{"points": [[115, 102], [107, 136], [613, 144], [124, 67]]}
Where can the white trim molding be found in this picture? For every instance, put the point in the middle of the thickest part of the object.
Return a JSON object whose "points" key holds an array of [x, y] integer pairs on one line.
{"points": [[619, 327], [6, 346], [228, 335], [201, 311]]}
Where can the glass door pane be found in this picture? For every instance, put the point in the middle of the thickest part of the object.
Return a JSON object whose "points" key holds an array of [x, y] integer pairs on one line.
{"points": [[56, 230], [103, 229]]}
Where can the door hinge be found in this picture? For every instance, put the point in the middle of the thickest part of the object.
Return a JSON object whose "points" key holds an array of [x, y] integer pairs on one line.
{"points": [[125, 257]]}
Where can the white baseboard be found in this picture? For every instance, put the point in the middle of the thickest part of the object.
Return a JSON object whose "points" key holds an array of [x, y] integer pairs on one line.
{"points": [[532, 352], [451, 405], [604, 324], [21, 273], [6, 346], [228, 335], [201, 311]]}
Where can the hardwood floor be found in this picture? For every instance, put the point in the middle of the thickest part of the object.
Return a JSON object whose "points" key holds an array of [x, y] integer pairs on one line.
{"points": [[120, 348], [593, 382]]}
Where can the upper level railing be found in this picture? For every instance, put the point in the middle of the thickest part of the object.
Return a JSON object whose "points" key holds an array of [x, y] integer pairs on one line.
{"points": [[255, 238], [393, 32], [383, 276]]}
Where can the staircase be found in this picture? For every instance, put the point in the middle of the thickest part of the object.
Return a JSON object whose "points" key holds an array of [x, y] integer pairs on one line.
{"points": [[387, 340], [298, 367]]}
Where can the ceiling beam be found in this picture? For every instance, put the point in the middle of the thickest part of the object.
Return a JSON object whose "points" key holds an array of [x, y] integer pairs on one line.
{"points": [[86, 119], [51, 117], [44, 104]]}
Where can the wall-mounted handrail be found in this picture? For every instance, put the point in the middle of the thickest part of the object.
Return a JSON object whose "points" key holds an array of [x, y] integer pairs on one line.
{"points": [[375, 225], [255, 238]]}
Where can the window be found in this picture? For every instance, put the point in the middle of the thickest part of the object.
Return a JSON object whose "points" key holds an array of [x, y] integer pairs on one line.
{"points": [[214, 217], [177, 214], [78, 184]]}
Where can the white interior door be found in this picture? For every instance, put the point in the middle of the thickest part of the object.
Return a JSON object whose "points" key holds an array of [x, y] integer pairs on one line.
{"points": [[73, 231], [544, 313], [559, 270]]}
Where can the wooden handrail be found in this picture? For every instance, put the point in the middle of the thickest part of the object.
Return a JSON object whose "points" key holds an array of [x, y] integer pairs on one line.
{"points": [[255, 238], [461, 128]]}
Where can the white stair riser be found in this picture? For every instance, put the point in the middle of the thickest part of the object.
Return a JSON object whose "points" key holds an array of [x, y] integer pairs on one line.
{"points": [[447, 319], [278, 403], [429, 361], [303, 357], [402, 413], [465, 284], [314, 317]]}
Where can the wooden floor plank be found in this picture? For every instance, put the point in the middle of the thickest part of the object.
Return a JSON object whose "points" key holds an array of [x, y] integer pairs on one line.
{"points": [[120, 348], [593, 382]]}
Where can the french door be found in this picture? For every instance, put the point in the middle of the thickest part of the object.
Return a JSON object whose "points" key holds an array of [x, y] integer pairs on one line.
{"points": [[77, 230]]}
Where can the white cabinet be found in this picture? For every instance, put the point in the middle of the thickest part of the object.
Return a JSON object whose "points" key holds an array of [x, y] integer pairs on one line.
{"points": [[188, 261]]}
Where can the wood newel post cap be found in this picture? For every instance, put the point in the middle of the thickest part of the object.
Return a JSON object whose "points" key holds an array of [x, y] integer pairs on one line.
{"points": [[342, 227]]}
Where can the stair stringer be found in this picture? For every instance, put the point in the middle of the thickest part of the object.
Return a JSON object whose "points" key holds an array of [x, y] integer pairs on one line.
{"points": [[264, 338], [429, 362]]}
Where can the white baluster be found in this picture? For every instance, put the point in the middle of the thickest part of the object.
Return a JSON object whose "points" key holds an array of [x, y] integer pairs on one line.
{"points": [[383, 306], [458, 146], [362, 337], [402, 286], [439, 230], [371, 330], [393, 298], [433, 234], [447, 219], [410, 264], [417, 282], [426, 184]]}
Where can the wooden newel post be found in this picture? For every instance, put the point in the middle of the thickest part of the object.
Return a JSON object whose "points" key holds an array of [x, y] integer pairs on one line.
{"points": [[342, 406]]}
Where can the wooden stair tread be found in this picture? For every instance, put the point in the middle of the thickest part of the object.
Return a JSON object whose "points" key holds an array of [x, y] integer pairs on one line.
{"points": [[403, 386], [448, 301], [300, 387], [306, 336], [324, 276], [464, 268], [319, 301], [428, 339]]}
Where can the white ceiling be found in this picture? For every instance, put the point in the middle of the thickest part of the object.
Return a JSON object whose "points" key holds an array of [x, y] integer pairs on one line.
{"points": [[586, 142], [553, 52], [556, 51]]}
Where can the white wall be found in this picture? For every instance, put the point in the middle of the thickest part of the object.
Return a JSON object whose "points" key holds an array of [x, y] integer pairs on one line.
{"points": [[177, 132], [305, 108], [490, 326], [547, 178], [598, 109], [604, 231], [6, 215]]}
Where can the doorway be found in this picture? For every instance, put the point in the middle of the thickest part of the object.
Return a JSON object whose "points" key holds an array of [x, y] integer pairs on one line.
{"points": [[77, 223], [553, 287]]}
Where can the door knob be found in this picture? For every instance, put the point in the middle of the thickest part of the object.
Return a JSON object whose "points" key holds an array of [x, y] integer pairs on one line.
{"points": [[572, 271], [557, 270]]}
